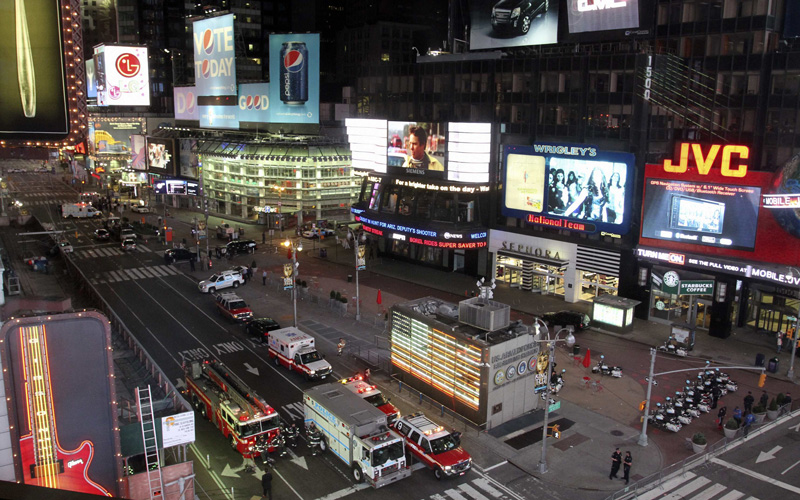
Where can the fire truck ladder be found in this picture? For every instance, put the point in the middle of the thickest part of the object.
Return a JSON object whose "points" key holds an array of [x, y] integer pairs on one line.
{"points": [[236, 389], [152, 462]]}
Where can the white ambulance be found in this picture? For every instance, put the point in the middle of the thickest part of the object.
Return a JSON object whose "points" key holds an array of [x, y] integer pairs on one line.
{"points": [[296, 351]]}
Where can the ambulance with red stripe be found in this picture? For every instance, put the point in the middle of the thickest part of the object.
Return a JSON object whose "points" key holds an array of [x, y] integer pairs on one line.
{"points": [[296, 351], [437, 448], [372, 395]]}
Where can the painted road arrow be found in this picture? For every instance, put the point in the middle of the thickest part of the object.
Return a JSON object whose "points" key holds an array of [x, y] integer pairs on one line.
{"points": [[228, 472], [301, 461], [796, 428], [768, 455], [252, 370]]}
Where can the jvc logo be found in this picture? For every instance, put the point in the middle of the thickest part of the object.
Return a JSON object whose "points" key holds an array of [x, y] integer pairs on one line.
{"points": [[589, 5]]}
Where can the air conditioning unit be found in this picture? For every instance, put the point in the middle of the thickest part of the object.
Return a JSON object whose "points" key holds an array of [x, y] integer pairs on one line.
{"points": [[484, 314]]}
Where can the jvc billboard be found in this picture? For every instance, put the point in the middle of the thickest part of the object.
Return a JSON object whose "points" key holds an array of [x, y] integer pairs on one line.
{"points": [[294, 73], [214, 57]]}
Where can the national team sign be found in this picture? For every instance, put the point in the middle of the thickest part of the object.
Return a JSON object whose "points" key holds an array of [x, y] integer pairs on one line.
{"points": [[185, 103], [254, 103], [125, 76], [294, 71], [214, 57]]}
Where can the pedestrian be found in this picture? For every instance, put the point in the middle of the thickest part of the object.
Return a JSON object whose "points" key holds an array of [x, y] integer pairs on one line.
{"points": [[616, 461], [264, 238], [764, 401], [780, 341], [715, 393], [787, 401], [264, 277], [340, 346], [191, 265], [266, 482], [748, 402], [721, 417], [626, 466], [366, 375], [749, 419], [737, 415]]}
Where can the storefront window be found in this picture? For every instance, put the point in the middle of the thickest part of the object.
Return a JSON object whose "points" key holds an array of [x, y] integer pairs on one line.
{"points": [[594, 285], [530, 276], [444, 207]]}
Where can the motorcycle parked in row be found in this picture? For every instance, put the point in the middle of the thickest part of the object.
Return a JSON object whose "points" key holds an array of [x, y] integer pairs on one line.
{"points": [[659, 419], [670, 347], [604, 369]]}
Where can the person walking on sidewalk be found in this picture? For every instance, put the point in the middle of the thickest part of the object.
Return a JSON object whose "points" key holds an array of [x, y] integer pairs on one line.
{"points": [[616, 459], [266, 483], [749, 419], [737, 415], [748, 402], [340, 346], [264, 277], [721, 417], [626, 467], [780, 341], [764, 401]]}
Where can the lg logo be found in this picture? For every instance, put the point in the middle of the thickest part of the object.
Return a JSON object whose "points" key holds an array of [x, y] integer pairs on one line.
{"points": [[127, 65]]}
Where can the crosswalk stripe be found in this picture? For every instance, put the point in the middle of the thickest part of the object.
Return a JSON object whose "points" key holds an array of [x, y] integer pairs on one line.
{"points": [[733, 495], [469, 490], [486, 486], [710, 492], [169, 269], [160, 272], [454, 494], [117, 276], [148, 273], [139, 275], [689, 488], [437, 497], [667, 486], [130, 273]]}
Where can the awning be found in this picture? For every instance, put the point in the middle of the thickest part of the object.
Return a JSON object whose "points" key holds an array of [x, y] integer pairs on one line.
{"points": [[560, 264]]}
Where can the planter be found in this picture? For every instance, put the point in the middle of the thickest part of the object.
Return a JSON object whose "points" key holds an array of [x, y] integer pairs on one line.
{"points": [[760, 417], [730, 433], [772, 415], [698, 448]]}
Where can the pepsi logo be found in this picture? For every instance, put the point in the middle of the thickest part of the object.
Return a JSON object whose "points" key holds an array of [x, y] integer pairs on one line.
{"points": [[293, 61], [206, 68], [257, 102], [249, 102], [208, 41], [189, 102]]}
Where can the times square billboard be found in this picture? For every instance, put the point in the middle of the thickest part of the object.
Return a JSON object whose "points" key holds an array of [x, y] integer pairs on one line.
{"points": [[123, 77], [294, 78], [514, 23], [574, 187], [34, 89], [214, 56]]}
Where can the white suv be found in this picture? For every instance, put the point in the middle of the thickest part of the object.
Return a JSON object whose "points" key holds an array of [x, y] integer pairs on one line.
{"points": [[217, 281]]}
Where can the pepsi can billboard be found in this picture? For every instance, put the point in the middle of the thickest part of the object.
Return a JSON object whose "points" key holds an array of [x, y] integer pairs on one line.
{"points": [[185, 103], [254, 103], [214, 57], [294, 71]]}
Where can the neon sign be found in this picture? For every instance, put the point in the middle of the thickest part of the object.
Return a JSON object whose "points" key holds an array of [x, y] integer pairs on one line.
{"points": [[704, 162], [781, 200]]}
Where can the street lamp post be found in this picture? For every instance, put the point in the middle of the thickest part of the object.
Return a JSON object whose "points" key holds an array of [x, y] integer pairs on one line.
{"points": [[570, 340], [790, 373], [358, 250], [296, 246]]}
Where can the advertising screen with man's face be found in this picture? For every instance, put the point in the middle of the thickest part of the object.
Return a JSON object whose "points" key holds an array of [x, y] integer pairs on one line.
{"points": [[161, 155], [417, 149], [578, 188], [701, 213]]}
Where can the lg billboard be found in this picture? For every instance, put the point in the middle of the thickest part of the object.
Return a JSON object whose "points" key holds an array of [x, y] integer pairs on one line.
{"points": [[294, 69], [123, 75]]}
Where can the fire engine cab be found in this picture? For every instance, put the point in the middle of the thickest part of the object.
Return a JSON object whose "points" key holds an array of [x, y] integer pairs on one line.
{"points": [[437, 448], [296, 351], [246, 420], [372, 395]]}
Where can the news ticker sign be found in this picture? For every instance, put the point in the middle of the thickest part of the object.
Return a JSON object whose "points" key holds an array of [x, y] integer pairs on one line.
{"points": [[428, 237], [780, 200], [782, 275]]}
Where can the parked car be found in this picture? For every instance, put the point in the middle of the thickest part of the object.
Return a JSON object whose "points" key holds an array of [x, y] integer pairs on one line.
{"points": [[127, 233], [128, 244], [140, 209], [218, 281], [65, 246], [260, 328], [240, 246], [316, 232], [179, 255], [233, 307], [567, 318], [102, 234], [517, 15]]}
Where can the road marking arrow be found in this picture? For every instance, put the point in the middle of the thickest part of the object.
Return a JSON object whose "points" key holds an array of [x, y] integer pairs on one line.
{"points": [[301, 461], [796, 428], [228, 472], [768, 455], [252, 370]]}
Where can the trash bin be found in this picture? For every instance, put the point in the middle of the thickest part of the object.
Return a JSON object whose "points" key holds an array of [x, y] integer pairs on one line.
{"points": [[772, 367], [576, 350], [760, 359], [350, 280]]}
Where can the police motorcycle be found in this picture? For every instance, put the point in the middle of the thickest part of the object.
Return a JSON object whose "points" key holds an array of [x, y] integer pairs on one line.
{"points": [[557, 382], [670, 347], [604, 369], [659, 419]]}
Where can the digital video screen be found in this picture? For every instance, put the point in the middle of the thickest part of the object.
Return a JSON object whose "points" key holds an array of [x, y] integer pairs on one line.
{"points": [[416, 148], [175, 186], [591, 15], [161, 155], [512, 23], [704, 214]]}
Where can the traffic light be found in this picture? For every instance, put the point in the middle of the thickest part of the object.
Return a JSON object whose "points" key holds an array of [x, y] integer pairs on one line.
{"points": [[642, 405], [762, 379], [555, 432]]}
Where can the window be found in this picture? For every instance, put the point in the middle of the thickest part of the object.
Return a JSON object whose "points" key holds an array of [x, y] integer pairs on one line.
{"points": [[414, 436]]}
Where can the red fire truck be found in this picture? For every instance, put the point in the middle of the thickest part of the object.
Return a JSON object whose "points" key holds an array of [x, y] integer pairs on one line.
{"points": [[372, 395], [249, 423]]}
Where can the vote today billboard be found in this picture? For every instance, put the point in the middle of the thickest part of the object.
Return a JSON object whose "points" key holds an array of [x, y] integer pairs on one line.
{"points": [[214, 56]]}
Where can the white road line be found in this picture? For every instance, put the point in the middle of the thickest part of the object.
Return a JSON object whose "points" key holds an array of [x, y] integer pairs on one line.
{"points": [[157, 270], [710, 492], [689, 488], [117, 276], [666, 486], [469, 490], [129, 273], [495, 466], [733, 495], [147, 272], [790, 467], [454, 494], [343, 492], [169, 270], [484, 484], [756, 475]]}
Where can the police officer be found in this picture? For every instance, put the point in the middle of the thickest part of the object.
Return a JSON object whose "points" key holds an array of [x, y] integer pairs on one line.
{"points": [[314, 438]]}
